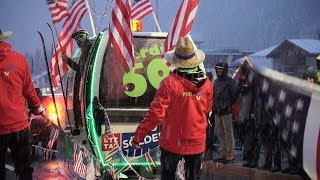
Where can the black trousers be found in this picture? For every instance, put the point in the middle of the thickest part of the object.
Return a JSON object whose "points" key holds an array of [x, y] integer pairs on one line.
{"points": [[169, 162], [210, 134], [20, 144], [76, 100]]}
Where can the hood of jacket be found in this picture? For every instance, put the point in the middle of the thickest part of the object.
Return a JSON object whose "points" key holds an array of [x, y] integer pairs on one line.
{"points": [[197, 78], [194, 87], [224, 66], [5, 48]]}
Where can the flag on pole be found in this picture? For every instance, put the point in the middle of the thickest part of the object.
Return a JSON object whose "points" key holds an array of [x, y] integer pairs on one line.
{"points": [[182, 24], [148, 159], [54, 133], [140, 8], [81, 160], [91, 170], [58, 9], [115, 156], [70, 25], [293, 106], [120, 33]]}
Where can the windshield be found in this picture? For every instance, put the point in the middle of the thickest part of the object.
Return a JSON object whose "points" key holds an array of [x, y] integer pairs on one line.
{"points": [[135, 89]]}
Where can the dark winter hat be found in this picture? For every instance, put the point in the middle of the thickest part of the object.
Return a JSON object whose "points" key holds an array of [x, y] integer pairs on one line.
{"points": [[79, 33], [310, 72], [221, 65], [4, 35]]}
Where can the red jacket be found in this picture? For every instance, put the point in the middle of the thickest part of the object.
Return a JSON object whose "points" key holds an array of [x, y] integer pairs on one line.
{"points": [[183, 109], [16, 86]]}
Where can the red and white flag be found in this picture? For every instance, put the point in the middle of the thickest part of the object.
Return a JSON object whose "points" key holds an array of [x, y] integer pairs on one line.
{"points": [[69, 26], [182, 24], [58, 9], [140, 8], [54, 134], [81, 160], [120, 33]]}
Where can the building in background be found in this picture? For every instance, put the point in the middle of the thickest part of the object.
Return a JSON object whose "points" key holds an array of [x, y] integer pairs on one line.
{"points": [[293, 56]]}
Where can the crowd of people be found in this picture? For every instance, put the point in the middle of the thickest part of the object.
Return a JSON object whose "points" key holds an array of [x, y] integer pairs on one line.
{"points": [[255, 129]]}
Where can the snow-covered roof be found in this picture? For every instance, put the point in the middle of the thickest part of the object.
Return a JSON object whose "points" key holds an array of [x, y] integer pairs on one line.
{"points": [[259, 58], [306, 46], [310, 45], [264, 52]]}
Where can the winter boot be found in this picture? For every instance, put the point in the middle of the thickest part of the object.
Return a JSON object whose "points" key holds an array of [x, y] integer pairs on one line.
{"points": [[276, 167], [223, 154], [230, 156]]}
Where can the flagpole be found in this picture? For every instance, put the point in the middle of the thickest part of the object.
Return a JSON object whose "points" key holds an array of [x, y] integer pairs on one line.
{"points": [[91, 19], [156, 21], [155, 16]]}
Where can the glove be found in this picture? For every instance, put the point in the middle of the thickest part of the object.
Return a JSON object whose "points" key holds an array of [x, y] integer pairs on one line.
{"points": [[41, 110], [64, 57], [135, 145], [47, 122]]}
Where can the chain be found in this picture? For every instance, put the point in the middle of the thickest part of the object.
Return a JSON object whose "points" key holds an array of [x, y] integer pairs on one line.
{"points": [[103, 14]]}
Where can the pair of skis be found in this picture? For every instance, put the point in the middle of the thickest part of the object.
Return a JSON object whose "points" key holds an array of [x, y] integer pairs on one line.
{"points": [[75, 131]]}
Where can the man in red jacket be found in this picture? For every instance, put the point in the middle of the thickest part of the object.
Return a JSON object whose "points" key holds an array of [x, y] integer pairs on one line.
{"points": [[16, 86], [182, 104]]}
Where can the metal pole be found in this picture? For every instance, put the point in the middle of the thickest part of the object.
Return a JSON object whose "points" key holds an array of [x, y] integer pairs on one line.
{"points": [[156, 21]]}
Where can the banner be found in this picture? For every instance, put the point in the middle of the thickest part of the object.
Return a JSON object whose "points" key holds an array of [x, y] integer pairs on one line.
{"points": [[110, 141]]}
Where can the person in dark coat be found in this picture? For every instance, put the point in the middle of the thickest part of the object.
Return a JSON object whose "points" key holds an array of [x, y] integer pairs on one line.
{"points": [[247, 123], [81, 37], [225, 97]]}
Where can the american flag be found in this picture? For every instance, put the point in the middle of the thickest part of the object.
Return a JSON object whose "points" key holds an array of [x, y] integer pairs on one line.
{"points": [[120, 33], [182, 24], [149, 159], [54, 133], [69, 26], [293, 106], [140, 8], [81, 160], [58, 9], [120, 163], [107, 125]]}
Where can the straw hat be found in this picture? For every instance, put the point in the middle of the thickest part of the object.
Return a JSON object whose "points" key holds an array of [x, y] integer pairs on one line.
{"points": [[185, 55], [4, 35]]}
